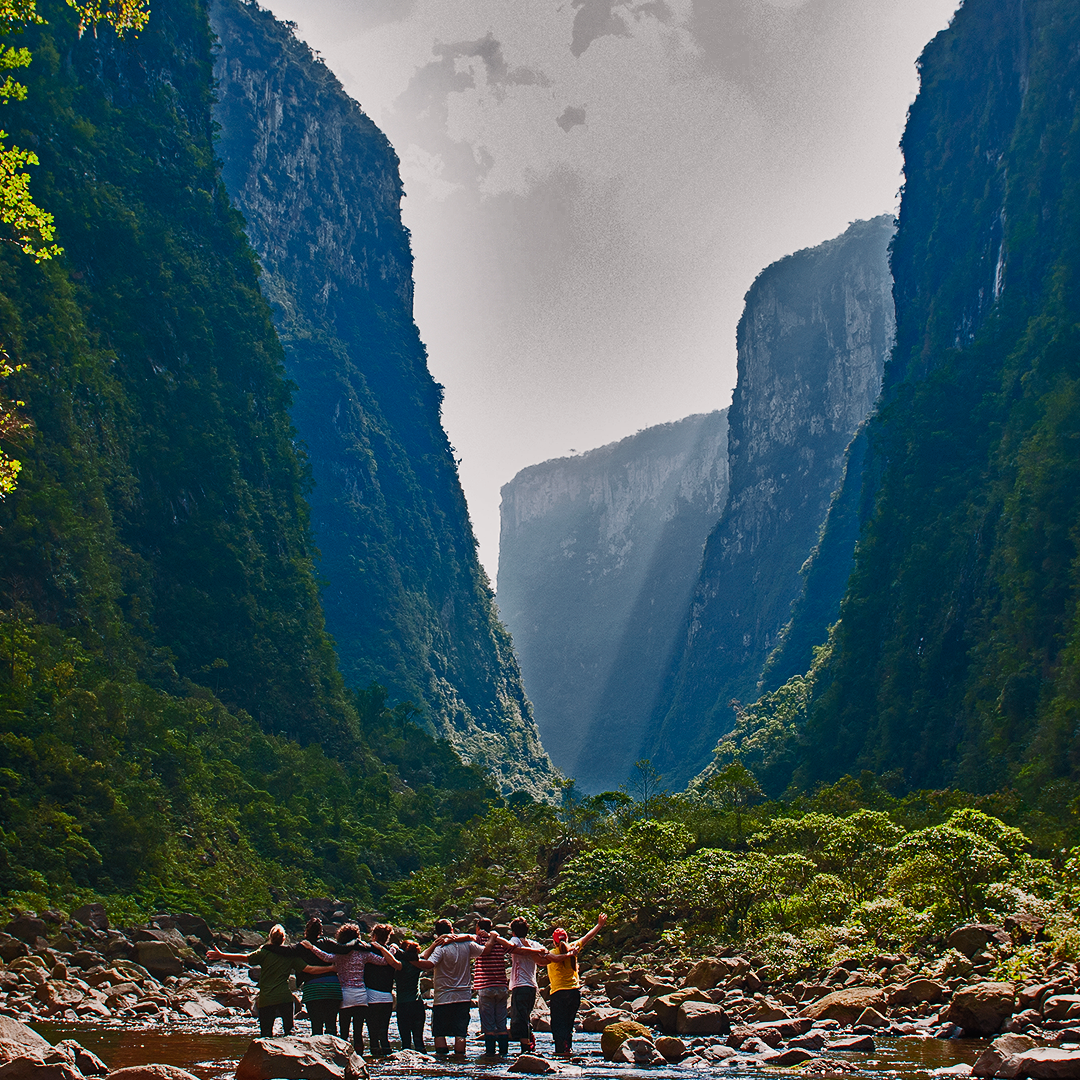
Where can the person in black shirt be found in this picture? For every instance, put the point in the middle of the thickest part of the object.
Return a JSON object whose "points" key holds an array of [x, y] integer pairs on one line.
{"points": [[410, 1003]]}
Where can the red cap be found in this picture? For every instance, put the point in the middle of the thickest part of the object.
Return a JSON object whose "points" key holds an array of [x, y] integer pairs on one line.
{"points": [[560, 935]]}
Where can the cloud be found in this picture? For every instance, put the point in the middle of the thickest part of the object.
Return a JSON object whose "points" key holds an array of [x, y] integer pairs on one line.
{"points": [[489, 50], [598, 18], [572, 116]]}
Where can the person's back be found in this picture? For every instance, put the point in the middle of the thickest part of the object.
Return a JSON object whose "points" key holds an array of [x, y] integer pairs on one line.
{"points": [[452, 976]]}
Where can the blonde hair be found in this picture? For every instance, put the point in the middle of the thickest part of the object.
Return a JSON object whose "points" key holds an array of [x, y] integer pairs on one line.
{"points": [[277, 934]]}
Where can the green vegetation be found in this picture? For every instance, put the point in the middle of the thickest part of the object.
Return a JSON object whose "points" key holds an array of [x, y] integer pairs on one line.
{"points": [[851, 871], [174, 730]]}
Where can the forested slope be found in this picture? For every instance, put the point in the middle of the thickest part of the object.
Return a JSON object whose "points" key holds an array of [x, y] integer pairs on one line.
{"points": [[172, 722], [956, 658], [405, 597]]}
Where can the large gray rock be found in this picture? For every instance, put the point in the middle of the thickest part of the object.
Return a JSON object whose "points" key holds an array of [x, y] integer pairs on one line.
{"points": [[15, 1034], [973, 937], [981, 1009], [93, 915], [915, 991], [667, 1006], [844, 1006], [321, 1057], [701, 1018], [159, 958], [1000, 1051], [1062, 1007], [1048, 1063]]}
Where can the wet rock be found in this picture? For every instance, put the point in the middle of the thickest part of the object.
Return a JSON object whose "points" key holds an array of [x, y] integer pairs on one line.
{"points": [[829, 1067], [792, 1056], [916, 991], [532, 1063], [30, 1066], [614, 1035], [152, 1072], [999, 1052], [321, 1057], [701, 1018], [974, 937], [667, 1006], [813, 1041], [864, 1044], [639, 1051], [980, 1009], [1047, 1063], [755, 1047], [871, 1018], [15, 1034], [599, 1019], [673, 1049], [845, 1006]]}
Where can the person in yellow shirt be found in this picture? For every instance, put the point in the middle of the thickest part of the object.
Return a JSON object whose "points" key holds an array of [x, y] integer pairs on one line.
{"points": [[565, 983]]}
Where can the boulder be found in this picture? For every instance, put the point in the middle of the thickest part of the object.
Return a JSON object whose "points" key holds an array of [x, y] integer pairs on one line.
{"points": [[916, 991], [863, 1044], [188, 925], [980, 1009], [671, 1048], [974, 937], [844, 1006], [813, 1041], [12, 947], [1048, 1063], [27, 928], [30, 1066], [152, 1072], [871, 1018], [599, 1019], [89, 1064], [614, 1035], [701, 1018], [706, 974], [532, 1063], [999, 1052], [159, 958], [321, 1057], [667, 1006], [1024, 926], [1062, 1007], [92, 915], [12, 1033], [794, 1055]]}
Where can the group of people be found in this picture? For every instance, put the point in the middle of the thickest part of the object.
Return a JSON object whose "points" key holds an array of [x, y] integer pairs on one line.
{"points": [[347, 983]]}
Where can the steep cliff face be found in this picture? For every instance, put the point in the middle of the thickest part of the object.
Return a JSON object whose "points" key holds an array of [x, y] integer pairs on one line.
{"points": [[405, 598], [956, 658], [597, 557], [812, 343]]}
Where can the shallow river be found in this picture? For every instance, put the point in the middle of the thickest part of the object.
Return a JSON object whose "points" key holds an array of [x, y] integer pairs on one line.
{"points": [[211, 1049]]}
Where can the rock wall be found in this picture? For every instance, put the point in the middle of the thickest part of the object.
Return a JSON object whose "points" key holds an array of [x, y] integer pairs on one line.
{"points": [[597, 557], [812, 343], [405, 597]]}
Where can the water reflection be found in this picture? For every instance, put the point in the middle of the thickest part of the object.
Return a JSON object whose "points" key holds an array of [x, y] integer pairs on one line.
{"points": [[211, 1048]]}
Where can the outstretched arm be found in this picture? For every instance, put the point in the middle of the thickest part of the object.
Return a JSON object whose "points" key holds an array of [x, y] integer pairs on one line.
{"points": [[601, 922], [231, 957]]}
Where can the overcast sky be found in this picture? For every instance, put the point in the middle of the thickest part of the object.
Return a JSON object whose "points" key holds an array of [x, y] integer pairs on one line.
{"points": [[592, 186]]}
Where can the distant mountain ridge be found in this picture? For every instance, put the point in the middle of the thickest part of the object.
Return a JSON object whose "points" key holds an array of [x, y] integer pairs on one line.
{"points": [[812, 344], [597, 556], [405, 597]]}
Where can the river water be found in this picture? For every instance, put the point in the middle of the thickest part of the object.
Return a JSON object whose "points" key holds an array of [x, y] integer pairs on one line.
{"points": [[211, 1049]]}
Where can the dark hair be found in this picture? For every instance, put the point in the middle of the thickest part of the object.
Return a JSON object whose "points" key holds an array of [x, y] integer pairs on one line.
{"points": [[313, 930], [410, 949], [381, 932], [443, 926], [519, 927], [348, 932], [483, 924]]}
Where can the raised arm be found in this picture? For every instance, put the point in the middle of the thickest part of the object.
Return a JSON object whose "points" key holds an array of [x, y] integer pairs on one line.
{"points": [[601, 922], [231, 957]]}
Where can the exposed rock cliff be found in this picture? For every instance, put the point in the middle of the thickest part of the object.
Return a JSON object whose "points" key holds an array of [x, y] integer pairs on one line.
{"points": [[597, 557], [812, 343], [957, 657], [406, 599]]}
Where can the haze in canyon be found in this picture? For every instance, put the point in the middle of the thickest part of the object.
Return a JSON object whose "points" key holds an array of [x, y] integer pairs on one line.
{"points": [[593, 186]]}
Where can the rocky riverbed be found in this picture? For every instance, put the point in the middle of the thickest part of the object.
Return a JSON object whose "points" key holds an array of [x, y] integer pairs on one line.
{"points": [[77, 978]]}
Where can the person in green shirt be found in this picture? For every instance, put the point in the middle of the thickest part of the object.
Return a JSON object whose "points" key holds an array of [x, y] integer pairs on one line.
{"points": [[276, 962]]}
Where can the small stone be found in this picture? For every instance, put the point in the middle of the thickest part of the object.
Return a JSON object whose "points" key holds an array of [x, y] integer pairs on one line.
{"points": [[532, 1063], [792, 1056], [862, 1045]]}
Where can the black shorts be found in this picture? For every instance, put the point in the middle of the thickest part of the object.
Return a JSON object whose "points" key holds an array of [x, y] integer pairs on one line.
{"points": [[450, 1021]]}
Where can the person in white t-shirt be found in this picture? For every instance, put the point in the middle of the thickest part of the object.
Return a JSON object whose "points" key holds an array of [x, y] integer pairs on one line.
{"points": [[524, 956]]}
